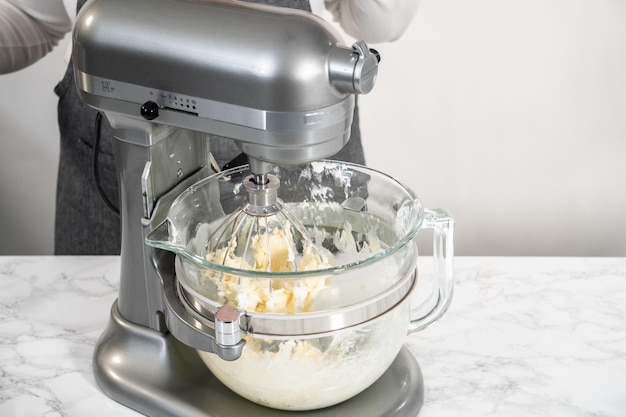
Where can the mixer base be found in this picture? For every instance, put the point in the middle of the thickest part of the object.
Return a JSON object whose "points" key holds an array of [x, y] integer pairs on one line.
{"points": [[155, 374]]}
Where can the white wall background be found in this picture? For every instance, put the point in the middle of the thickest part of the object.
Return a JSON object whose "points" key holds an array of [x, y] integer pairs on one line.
{"points": [[511, 114]]}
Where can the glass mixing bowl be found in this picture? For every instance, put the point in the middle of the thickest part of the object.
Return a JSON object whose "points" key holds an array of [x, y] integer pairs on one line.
{"points": [[313, 337]]}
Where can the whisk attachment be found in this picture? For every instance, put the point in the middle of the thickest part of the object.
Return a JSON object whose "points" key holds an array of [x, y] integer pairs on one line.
{"points": [[263, 235]]}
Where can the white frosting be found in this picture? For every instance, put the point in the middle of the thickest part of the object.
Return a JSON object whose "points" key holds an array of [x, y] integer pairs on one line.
{"points": [[270, 252]]}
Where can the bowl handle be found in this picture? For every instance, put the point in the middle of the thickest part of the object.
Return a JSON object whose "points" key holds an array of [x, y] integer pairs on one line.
{"points": [[443, 268]]}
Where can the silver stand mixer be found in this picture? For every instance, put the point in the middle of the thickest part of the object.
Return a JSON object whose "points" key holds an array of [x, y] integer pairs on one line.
{"points": [[166, 73]]}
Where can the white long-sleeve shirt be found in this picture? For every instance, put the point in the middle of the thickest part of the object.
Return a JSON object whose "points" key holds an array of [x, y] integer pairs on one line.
{"points": [[373, 21], [29, 29]]}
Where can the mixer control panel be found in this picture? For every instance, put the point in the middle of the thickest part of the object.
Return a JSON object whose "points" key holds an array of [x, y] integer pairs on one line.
{"points": [[178, 102], [195, 106], [175, 103]]}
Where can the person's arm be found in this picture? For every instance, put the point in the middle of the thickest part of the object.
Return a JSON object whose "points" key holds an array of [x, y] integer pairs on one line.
{"points": [[29, 29], [373, 21]]}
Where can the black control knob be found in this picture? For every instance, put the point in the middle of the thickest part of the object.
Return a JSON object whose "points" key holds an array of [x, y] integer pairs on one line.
{"points": [[150, 110]]}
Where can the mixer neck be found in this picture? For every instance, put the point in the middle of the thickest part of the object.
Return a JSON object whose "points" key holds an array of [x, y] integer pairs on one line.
{"points": [[259, 168]]}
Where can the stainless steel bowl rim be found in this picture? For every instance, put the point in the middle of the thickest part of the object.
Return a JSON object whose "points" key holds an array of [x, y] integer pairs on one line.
{"points": [[300, 324]]}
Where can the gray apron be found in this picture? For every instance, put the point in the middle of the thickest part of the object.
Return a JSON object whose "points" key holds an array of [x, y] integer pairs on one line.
{"points": [[84, 224]]}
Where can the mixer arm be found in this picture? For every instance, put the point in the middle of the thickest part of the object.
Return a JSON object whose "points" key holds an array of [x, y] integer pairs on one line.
{"points": [[221, 334], [223, 338]]}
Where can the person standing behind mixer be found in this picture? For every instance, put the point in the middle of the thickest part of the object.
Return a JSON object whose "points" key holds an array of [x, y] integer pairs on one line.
{"points": [[84, 223], [29, 29]]}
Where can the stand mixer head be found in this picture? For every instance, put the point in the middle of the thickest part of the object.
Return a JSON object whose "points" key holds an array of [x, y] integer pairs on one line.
{"points": [[277, 81]]}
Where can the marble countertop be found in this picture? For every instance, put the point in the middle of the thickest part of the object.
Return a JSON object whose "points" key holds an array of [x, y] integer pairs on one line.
{"points": [[523, 337]]}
